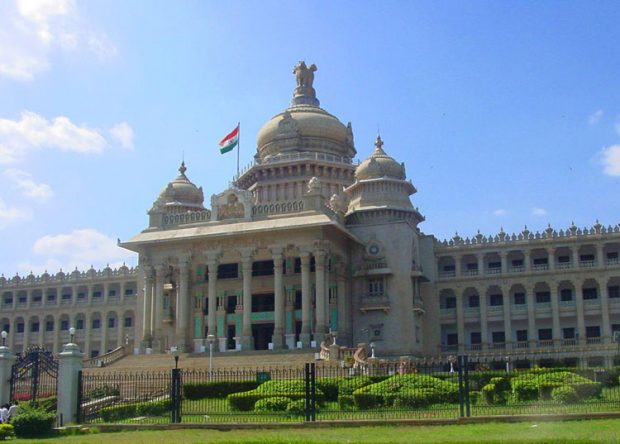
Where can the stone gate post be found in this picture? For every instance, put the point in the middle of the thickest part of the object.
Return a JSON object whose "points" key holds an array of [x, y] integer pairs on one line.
{"points": [[7, 359], [69, 366]]}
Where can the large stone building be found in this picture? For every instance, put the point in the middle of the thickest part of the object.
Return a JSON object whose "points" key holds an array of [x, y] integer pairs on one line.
{"points": [[306, 242]]}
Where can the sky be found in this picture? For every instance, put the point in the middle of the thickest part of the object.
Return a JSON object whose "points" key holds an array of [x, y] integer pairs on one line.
{"points": [[506, 113]]}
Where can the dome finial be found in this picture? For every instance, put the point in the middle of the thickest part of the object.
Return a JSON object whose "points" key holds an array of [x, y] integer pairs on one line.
{"points": [[304, 92], [182, 168], [379, 146]]}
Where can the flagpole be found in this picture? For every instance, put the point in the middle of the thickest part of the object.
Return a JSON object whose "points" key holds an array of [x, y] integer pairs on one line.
{"points": [[238, 146]]}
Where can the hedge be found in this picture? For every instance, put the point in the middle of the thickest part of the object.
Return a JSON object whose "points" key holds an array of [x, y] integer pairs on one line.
{"points": [[540, 385], [293, 389], [33, 423], [124, 411], [216, 390], [273, 404]]}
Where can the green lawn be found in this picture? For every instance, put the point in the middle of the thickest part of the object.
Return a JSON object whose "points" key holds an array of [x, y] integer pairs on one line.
{"points": [[591, 431]]}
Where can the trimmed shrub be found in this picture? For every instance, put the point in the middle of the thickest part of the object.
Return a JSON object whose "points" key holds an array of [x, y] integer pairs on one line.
{"points": [[346, 402], [495, 392], [120, 412], [216, 390], [540, 385], [102, 392], [565, 394], [274, 404], [293, 388], [33, 423], [296, 407], [412, 390], [48, 404], [6, 431]]}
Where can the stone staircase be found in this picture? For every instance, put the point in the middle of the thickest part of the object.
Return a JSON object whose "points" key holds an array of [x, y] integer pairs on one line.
{"points": [[232, 360]]}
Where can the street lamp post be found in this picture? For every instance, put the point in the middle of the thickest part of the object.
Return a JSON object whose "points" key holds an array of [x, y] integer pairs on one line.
{"points": [[175, 353], [71, 334], [210, 341], [372, 350], [4, 335]]}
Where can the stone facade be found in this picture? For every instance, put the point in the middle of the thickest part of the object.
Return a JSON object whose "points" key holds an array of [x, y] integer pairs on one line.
{"points": [[305, 243]]}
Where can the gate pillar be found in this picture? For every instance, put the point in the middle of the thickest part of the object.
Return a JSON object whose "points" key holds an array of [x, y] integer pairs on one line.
{"points": [[7, 359], [69, 367]]}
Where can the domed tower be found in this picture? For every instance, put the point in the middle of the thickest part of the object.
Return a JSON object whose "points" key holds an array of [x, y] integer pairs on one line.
{"points": [[301, 142], [179, 196], [386, 283]]}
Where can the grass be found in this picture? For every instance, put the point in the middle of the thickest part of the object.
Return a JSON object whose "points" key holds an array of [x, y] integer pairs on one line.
{"points": [[572, 432]]}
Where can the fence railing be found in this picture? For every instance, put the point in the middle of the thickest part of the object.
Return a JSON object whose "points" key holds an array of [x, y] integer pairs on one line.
{"points": [[426, 389]]}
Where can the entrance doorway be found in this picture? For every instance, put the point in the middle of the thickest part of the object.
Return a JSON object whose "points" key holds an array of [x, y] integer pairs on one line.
{"points": [[262, 334]]}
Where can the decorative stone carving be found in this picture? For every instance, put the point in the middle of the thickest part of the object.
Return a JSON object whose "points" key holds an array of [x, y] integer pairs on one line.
{"points": [[304, 74], [314, 185], [337, 203], [233, 203]]}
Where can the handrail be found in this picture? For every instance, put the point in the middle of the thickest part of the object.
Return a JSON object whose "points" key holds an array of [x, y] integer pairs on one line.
{"points": [[105, 359]]}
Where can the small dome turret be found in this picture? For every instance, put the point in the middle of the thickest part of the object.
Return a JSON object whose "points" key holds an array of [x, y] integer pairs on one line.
{"points": [[181, 192], [380, 165]]}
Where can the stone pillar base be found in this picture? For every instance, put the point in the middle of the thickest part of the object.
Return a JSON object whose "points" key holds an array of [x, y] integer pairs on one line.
{"points": [[199, 345], [305, 339], [289, 339], [247, 342], [277, 340], [223, 344]]}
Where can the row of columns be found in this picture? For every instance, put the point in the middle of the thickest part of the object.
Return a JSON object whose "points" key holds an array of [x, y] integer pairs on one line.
{"points": [[45, 291], [527, 259], [531, 314]]}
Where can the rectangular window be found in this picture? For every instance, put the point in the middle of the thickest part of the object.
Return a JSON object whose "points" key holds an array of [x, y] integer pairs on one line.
{"points": [[593, 331], [262, 302], [231, 304], [452, 339], [566, 294], [612, 255], [128, 321], [8, 301], [563, 259], [590, 293], [20, 327], [64, 325], [49, 326], [51, 297], [96, 324], [586, 257], [543, 297], [298, 300], [111, 322], [450, 302], [96, 294], [495, 265], [6, 328], [375, 287], [521, 335], [262, 268], [496, 300], [544, 334], [613, 292], [541, 261], [517, 262], [448, 268], [34, 328], [498, 337], [81, 296], [228, 271], [112, 293], [474, 301], [472, 266], [79, 324], [128, 291], [22, 299], [519, 298], [36, 298], [568, 333], [66, 297], [475, 337]]}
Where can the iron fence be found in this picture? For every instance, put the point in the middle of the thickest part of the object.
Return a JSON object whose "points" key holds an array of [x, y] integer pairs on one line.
{"points": [[427, 389]]}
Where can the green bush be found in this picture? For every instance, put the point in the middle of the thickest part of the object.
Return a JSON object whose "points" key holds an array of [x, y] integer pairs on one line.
{"points": [[124, 411], [346, 402], [412, 390], [33, 423], [216, 390], [296, 407], [293, 388], [496, 391], [540, 385], [102, 392], [274, 404], [48, 404], [6, 431], [564, 394]]}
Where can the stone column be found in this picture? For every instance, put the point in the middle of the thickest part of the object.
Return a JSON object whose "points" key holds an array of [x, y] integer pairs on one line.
{"points": [[507, 317], [147, 312], [182, 321], [457, 265], [581, 323], [306, 297], [212, 263], [606, 330], [503, 255], [74, 293], [56, 334], [344, 326], [289, 324], [484, 331], [460, 320], [69, 365], [575, 254], [29, 293], [527, 260], [89, 295], [158, 301], [26, 339], [321, 302], [551, 258], [246, 333], [106, 293], [531, 316], [7, 359], [555, 314], [278, 328], [104, 333], [121, 289], [600, 258], [87, 339], [480, 258]]}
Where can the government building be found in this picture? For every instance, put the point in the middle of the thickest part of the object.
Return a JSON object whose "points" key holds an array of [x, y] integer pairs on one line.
{"points": [[306, 244]]}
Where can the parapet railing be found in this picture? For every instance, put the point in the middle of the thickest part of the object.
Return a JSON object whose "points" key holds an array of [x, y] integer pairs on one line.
{"points": [[106, 359]]}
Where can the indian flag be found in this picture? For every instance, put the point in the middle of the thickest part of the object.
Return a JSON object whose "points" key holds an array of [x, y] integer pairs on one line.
{"points": [[230, 141]]}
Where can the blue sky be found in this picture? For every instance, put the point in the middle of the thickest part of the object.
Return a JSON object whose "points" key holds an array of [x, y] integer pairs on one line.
{"points": [[505, 113]]}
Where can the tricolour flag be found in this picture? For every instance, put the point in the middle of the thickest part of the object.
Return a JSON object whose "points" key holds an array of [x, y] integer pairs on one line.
{"points": [[230, 141]]}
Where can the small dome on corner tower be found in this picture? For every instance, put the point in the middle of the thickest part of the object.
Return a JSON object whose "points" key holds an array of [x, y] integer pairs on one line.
{"points": [[379, 165], [181, 192]]}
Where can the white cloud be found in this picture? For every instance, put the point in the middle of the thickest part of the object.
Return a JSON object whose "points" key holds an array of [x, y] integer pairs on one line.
{"points": [[610, 159], [32, 131], [123, 134], [617, 127], [539, 211], [11, 215], [500, 212], [594, 118], [80, 248], [31, 29], [23, 181]]}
